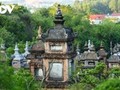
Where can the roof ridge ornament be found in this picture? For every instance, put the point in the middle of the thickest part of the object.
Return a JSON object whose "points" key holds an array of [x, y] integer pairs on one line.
{"points": [[78, 49]]}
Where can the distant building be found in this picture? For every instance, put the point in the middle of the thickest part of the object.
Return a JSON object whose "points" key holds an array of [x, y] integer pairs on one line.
{"points": [[98, 18], [19, 60], [114, 17]]}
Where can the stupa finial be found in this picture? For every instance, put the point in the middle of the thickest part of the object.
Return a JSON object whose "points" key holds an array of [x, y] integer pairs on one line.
{"points": [[26, 49], [58, 16], [59, 11], [89, 44], [39, 33], [16, 50], [78, 49], [101, 45], [111, 50]]}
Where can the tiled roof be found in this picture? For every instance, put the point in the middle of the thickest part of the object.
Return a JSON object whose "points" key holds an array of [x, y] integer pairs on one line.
{"points": [[114, 58], [97, 16], [89, 56], [39, 46]]}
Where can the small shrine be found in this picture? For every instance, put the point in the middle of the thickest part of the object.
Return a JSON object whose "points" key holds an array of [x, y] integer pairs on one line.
{"points": [[114, 59], [36, 57], [19, 60], [89, 57]]}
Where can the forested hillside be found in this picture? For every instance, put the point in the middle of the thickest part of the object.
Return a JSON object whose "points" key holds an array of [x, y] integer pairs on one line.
{"points": [[98, 6]]}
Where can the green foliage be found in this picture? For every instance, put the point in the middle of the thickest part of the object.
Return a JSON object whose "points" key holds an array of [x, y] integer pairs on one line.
{"points": [[89, 78], [44, 21], [98, 78], [11, 79], [110, 84], [17, 26], [101, 8], [22, 25], [6, 36], [80, 86], [114, 72], [97, 6]]}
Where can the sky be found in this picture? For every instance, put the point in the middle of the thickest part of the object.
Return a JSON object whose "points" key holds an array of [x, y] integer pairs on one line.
{"points": [[38, 2]]}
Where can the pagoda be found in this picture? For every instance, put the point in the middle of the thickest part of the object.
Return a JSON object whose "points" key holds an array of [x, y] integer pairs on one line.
{"points": [[52, 56], [59, 53], [35, 57], [89, 57]]}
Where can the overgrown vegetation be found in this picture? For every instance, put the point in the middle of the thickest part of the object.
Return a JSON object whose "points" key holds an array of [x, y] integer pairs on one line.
{"points": [[11, 79], [98, 78]]}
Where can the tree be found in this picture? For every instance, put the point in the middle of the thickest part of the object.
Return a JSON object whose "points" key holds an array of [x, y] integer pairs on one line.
{"points": [[110, 84], [11, 79], [88, 78], [6, 37], [101, 8], [114, 5]]}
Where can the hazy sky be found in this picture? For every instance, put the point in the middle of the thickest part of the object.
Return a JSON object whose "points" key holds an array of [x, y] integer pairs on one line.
{"points": [[41, 1]]}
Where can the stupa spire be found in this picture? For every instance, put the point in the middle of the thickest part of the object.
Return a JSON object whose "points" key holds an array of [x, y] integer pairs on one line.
{"points": [[92, 48], [59, 13], [16, 49], [101, 45], [89, 44], [26, 49], [78, 49], [58, 16], [39, 33]]}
